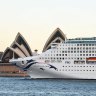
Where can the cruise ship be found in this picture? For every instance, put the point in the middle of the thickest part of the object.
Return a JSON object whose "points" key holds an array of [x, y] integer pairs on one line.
{"points": [[68, 59]]}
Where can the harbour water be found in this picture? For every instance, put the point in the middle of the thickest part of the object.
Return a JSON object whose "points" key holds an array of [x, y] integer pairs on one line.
{"points": [[46, 87]]}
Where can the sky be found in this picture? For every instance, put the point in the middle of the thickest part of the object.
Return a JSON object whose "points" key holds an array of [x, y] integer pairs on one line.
{"points": [[37, 19]]}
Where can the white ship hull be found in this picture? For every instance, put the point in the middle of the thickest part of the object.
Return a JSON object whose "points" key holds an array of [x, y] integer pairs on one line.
{"points": [[57, 70], [34, 75], [43, 71]]}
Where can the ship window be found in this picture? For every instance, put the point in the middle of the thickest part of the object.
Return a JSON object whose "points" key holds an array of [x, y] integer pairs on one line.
{"points": [[83, 51], [80, 58], [62, 54], [71, 51], [86, 51], [74, 51], [69, 48], [92, 54], [74, 48], [92, 51], [77, 51], [84, 48], [68, 51]]}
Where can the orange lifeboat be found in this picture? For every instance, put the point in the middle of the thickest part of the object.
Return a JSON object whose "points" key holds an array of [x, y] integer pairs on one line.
{"points": [[91, 59]]}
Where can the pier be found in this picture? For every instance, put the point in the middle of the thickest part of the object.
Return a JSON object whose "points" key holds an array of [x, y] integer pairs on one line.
{"points": [[10, 70]]}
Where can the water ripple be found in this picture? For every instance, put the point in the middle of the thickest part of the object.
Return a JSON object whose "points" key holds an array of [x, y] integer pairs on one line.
{"points": [[46, 87]]}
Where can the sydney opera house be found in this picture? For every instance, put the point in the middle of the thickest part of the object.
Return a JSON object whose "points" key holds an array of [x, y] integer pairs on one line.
{"points": [[20, 49]]}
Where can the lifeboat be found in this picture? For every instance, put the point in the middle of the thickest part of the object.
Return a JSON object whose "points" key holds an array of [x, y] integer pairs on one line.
{"points": [[91, 59]]}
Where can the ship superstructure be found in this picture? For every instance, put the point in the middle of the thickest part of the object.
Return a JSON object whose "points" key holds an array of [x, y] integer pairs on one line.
{"points": [[76, 51]]}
